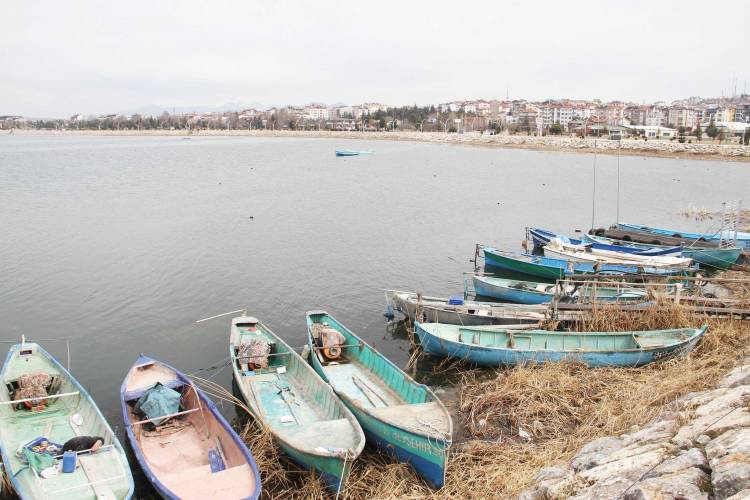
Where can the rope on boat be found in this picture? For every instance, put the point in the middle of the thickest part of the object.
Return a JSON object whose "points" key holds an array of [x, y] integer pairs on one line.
{"points": [[343, 471]]}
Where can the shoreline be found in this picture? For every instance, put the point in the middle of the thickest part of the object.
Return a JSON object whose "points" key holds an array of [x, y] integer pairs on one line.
{"points": [[564, 144]]}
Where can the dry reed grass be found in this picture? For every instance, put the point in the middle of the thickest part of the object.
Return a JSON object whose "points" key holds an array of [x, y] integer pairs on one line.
{"points": [[562, 407]]}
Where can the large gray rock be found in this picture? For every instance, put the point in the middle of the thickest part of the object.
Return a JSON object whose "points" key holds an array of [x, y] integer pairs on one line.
{"points": [[595, 452], [730, 475], [629, 462], [691, 483], [737, 377], [729, 458], [661, 430]]}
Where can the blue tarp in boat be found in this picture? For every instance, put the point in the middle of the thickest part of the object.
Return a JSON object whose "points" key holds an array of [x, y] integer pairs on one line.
{"points": [[158, 401]]}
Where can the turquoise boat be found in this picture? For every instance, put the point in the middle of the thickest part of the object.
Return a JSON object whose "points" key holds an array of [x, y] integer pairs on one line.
{"points": [[491, 346], [398, 415], [710, 257], [532, 292], [553, 269], [59, 409], [287, 396]]}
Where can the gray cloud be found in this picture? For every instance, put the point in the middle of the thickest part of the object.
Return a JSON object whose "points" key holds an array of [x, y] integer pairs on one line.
{"points": [[60, 58]]}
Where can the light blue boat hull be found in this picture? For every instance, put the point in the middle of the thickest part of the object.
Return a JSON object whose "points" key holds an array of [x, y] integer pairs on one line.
{"points": [[511, 294], [488, 356]]}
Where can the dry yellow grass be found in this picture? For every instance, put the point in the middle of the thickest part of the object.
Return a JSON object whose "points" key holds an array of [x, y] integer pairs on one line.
{"points": [[562, 407]]}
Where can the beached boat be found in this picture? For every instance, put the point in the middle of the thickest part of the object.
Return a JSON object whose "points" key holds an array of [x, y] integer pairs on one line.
{"points": [[463, 312], [491, 346], [40, 401], [532, 292], [559, 249], [287, 396], [553, 269], [184, 445], [743, 238], [709, 257], [541, 237], [347, 152], [400, 416]]}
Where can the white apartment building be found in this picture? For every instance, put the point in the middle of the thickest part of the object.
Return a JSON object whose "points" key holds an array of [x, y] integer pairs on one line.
{"points": [[654, 117], [316, 112], [682, 117], [552, 115]]}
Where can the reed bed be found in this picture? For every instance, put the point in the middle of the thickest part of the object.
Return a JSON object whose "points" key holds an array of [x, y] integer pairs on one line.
{"points": [[519, 420]]}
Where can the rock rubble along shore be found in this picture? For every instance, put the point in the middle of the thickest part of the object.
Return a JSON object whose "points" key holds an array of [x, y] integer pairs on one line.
{"points": [[698, 448], [544, 143]]}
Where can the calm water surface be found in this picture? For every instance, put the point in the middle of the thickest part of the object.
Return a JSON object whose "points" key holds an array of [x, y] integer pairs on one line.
{"points": [[121, 244]]}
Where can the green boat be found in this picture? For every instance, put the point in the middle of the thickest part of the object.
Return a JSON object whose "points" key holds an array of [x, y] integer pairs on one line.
{"points": [[287, 397], [42, 406], [400, 416]]}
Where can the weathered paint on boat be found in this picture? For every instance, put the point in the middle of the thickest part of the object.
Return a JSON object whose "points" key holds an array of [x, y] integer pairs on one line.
{"points": [[710, 257], [489, 346], [743, 238], [558, 249], [109, 465], [531, 292], [241, 472], [438, 310], [324, 435], [553, 269], [398, 425]]}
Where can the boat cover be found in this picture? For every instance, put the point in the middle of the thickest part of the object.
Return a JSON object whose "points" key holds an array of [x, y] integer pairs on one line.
{"points": [[157, 402]]}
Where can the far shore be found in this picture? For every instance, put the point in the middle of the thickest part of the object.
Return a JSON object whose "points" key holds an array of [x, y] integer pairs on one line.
{"points": [[632, 147]]}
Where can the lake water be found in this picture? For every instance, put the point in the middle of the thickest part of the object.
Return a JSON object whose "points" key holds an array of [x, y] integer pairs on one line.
{"points": [[121, 243]]}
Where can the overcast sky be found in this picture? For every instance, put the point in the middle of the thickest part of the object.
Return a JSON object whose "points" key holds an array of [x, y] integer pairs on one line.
{"points": [[60, 58]]}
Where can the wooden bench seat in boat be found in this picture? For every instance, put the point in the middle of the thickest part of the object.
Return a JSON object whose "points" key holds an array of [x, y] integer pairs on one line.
{"points": [[200, 483], [421, 417]]}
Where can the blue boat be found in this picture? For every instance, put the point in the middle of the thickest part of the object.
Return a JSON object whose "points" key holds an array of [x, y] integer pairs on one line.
{"points": [[541, 237], [709, 257], [531, 292], [553, 269], [397, 414], [743, 238], [492, 346], [347, 152], [192, 452]]}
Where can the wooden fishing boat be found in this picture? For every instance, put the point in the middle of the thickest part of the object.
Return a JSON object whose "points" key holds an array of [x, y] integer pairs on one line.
{"points": [[532, 292], [558, 249], [553, 269], [347, 152], [468, 312], [742, 238], [400, 416], [286, 395], [491, 346], [41, 399], [193, 453], [541, 237], [708, 257]]}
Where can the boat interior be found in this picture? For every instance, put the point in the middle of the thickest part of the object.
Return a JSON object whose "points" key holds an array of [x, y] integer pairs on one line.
{"points": [[190, 453], [373, 384], [287, 392]]}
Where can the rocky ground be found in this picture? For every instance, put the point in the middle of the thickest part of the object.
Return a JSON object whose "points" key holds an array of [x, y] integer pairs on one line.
{"points": [[662, 148], [698, 448]]}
